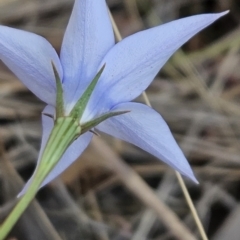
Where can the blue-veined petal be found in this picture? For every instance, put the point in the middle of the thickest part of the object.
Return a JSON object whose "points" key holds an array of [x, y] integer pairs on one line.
{"points": [[72, 153], [87, 39], [132, 64], [145, 128], [29, 57]]}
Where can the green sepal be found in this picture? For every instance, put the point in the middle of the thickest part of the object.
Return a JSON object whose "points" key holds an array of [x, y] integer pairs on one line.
{"points": [[59, 96], [81, 104], [63, 134], [91, 124]]}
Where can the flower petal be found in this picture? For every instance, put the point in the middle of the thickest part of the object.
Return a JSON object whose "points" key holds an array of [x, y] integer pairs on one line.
{"points": [[72, 153], [87, 39], [132, 64], [29, 57], [145, 128]]}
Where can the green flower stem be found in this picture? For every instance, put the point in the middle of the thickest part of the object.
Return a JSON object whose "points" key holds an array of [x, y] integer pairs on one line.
{"points": [[65, 131], [18, 210]]}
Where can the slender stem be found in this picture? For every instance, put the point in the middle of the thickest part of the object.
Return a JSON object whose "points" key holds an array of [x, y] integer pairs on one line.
{"points": [[65, 130], [178, 175], [19, 208], [191, 206]]}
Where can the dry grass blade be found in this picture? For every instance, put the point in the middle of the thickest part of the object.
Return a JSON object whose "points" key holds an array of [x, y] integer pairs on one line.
{"points": [[149, 217], [141, 190]]}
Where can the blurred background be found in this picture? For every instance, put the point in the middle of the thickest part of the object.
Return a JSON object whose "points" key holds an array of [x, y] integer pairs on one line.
{"points": [[197, 93]]}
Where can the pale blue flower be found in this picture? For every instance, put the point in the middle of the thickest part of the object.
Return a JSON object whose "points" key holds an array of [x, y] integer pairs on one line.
{"points": [[131, 66]]}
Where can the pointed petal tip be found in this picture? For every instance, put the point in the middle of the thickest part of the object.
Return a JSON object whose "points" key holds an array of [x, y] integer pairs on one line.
{"points": [[218, 15], [223, 13], [192, 177], [24, 189], [197, 182], [226, 12]]}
